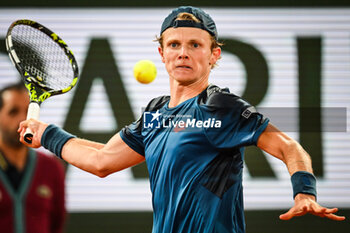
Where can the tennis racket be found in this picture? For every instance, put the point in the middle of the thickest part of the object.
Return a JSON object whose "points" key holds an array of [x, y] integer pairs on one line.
{"points": [[46, 64]]}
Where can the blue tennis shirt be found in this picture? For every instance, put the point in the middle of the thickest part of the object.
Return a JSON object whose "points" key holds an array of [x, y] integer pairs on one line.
{"points": [[194, 155]]}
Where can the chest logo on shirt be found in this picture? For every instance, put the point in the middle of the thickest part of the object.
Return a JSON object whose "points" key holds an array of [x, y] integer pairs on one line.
{"points": [[156, 120], [44, 191]]}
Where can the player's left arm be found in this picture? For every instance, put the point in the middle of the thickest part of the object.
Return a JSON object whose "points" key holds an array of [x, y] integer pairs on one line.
{"points": [[283, 147]]}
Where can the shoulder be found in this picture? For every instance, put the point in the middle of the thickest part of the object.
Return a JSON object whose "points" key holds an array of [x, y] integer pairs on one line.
{"points": [[157, 103], [219, 98], [152, 106]]}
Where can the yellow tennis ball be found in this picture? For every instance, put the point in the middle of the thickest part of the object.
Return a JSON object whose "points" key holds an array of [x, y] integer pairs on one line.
{"points": [[145, 71]]}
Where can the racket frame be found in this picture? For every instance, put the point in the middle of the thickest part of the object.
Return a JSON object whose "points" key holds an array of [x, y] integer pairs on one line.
{"points": [[38, 92]]}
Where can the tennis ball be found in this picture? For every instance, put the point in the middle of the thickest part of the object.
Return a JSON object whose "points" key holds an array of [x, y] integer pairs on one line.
{"points": [[145, 71]]}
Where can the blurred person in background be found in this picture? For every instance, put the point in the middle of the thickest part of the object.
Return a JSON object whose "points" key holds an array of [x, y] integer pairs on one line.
{"points": [[32, 195]]}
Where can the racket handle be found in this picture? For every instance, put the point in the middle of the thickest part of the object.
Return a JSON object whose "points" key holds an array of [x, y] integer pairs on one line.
{"points": [[33, 113]]}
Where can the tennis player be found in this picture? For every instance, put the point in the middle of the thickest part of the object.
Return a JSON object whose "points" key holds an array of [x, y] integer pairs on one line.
{"points": [[192, 140]]}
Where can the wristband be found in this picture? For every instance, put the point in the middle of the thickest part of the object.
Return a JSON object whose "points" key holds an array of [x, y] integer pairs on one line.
{"points": [[303, 182], [54, 139]]}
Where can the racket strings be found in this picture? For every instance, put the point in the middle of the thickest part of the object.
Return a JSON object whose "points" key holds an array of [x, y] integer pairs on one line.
{"points": [[42, 58]]}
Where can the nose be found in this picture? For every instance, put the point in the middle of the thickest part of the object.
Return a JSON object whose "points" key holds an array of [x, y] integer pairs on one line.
{"points": [[183, 53]]}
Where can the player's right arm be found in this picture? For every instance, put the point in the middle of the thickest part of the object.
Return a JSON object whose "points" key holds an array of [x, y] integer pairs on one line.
{"points": [[114, 156], [96, 158]]}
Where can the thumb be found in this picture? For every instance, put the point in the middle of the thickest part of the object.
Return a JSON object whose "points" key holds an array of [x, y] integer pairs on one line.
{"points": [[288, 215], [22, 125]]}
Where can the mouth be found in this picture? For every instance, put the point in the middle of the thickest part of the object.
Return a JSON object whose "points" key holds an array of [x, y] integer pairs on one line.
{"points": [[184, 67]]}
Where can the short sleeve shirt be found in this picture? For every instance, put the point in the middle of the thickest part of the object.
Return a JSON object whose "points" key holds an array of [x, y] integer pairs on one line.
{"points": [[194, 155]]}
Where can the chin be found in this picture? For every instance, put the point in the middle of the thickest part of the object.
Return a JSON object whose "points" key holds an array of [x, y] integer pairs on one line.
{"points": [[16, 144], [186, 81], [13, 141], [184, 78]]}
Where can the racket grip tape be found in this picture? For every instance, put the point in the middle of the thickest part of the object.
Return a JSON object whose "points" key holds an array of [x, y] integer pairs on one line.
{"points": [[33, 113]]}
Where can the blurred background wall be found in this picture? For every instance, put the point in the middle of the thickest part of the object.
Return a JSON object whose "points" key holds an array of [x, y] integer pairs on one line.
{"points": [[291, 59]]}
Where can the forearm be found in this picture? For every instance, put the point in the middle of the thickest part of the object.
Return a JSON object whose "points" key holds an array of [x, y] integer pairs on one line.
{"points": [[92, 157], [283, 147], [299, 166], [89, 143], [296, 158], [78, 152], [82, 154], [100, 159]]}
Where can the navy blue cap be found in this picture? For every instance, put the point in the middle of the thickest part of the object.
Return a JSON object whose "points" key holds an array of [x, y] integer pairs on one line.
{"points": [[207, 23]]}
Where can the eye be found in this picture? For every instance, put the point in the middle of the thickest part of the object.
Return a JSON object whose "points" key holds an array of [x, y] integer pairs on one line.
{"points": [[195, 45], [13, 112], [173, 45]]}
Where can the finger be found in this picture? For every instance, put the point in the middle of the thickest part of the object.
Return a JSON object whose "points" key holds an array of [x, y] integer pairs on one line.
{"points": [[21, 134], [21, 138], [295, 212], [20, 127], [328, 213], [335, 217], [302, 210], [331, 211], [318, 210], [23, 124], [288, 215], [323, 212]]}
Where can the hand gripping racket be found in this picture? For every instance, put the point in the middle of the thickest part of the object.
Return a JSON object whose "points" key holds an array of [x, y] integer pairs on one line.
{"points": [[46, 64]]}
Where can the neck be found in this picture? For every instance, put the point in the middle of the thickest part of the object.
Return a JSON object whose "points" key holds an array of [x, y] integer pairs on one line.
{"points": [[180, 92], [17, 156]]}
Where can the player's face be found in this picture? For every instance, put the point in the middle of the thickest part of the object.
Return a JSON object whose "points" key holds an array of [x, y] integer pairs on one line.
{"points": [[187, 54], [13, 111]]}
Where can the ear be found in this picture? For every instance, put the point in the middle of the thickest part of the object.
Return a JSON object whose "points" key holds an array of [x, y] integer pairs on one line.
{"points": [[160, 51], [215, 55]]}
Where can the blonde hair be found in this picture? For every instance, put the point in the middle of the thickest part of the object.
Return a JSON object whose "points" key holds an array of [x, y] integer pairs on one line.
{"points": [[191, 17], [187, 16]]}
